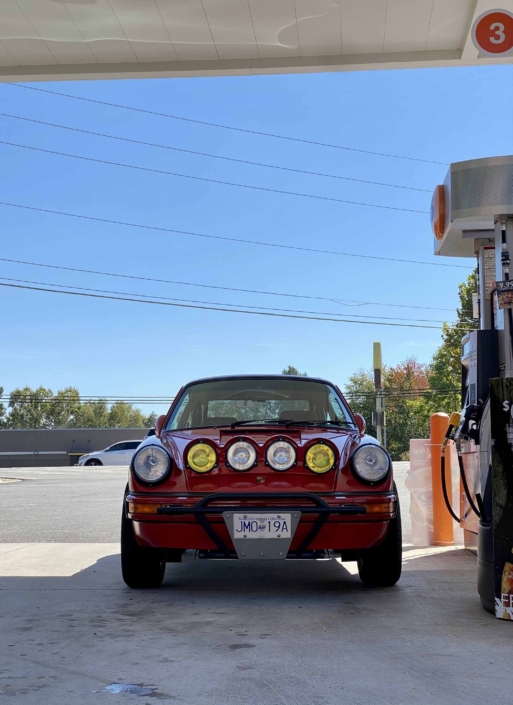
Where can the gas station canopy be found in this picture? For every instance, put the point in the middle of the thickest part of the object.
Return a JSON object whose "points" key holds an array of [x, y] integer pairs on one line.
{"points": [[42, 40]]}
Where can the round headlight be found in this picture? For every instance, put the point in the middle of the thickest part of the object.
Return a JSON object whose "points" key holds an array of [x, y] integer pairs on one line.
{"points": [[320, 458], [241, 456], [371, 463], [201, 457], [151, 464], [281, 455]]}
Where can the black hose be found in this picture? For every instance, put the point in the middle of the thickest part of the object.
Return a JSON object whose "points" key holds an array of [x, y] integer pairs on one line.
{"points": [[466, 488], [444, 488]]}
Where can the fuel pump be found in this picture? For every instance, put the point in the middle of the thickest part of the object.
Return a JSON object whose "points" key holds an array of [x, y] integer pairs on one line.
{"points": [[472, 216]]}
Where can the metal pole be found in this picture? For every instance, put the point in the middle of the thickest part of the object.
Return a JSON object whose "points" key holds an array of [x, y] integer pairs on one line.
{"points": [[380, 400]]}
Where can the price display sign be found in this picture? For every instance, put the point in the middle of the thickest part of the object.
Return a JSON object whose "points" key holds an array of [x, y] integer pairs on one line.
{"points": [[492, 33]]}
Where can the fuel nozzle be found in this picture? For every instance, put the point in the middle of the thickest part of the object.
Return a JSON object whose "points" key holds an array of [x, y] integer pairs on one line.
{"points": [[468, 428], [454, 422]]}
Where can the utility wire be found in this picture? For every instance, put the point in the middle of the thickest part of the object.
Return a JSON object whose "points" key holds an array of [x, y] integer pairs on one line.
{"points": [[260, 133], [210, 181], [228, 239], [217, 303], [214, 156], [343, 302], [212, 308]]}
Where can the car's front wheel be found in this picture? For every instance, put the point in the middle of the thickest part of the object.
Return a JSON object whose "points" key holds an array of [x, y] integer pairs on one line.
{"points": [[94, 462], [381, 566], [141, 567]]}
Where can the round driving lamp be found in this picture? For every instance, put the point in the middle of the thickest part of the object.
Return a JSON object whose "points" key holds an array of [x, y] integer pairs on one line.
{"points": [[281, 455], [371, 463], [241, 456], [319, 458], [151, 464], [201, 457]]}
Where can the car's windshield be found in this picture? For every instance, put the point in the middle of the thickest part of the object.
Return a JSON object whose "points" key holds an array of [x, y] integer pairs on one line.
{"points": [[223, 402]]}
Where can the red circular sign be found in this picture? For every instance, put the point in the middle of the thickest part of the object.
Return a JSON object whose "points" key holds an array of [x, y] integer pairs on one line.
{"points": [[492, 33]]}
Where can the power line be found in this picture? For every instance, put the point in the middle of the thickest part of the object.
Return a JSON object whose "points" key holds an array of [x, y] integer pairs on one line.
{"points": [[260, 133], [162, 172], [212, 308], [221, 288], [228, 239], [217, 303], [214, 156]]}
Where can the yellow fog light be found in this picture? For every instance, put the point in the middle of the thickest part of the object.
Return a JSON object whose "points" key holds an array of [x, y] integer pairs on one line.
{"points": [[201, 457], [320, 458]]}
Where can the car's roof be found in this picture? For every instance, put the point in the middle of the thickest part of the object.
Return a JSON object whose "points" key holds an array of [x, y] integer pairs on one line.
{"points": [[222, 378]]}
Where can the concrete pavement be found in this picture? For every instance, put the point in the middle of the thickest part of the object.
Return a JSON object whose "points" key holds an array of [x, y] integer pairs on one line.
{"points": [[224, 633]]}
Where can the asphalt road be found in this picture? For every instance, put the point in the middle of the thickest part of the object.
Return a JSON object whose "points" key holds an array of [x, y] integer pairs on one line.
{"points": [[83, 505]]}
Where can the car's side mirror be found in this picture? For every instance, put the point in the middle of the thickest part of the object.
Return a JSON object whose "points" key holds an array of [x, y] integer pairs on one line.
{"points": [[159, 425], [361, 423]]}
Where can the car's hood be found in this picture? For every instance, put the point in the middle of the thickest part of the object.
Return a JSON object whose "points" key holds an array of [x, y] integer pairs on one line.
{"points": [[261, 477]]}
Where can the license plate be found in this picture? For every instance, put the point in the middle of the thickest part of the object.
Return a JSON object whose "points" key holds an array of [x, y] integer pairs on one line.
{"points": [[261, 526]]}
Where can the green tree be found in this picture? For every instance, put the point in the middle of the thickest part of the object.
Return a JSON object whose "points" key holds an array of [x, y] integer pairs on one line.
{"points": [[445, 368], [3, 420], [361, 395], [92, 414], [290, 370], [124, 415], [30, 408], [65, 408], [150, 420]]}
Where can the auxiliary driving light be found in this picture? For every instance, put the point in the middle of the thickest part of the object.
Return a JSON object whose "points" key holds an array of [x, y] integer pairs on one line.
{"points": [[151, 464], [281, 455], [320, 458], [201, 457], [241, 456], [371, 463]]}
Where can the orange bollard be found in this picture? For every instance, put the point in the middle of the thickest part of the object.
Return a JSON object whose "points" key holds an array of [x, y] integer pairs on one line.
{"points": [[443, 534]]}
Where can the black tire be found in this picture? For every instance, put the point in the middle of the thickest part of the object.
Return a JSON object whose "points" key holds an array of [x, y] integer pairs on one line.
{"points": [[141, 567], [94, 462], [381, 566]]}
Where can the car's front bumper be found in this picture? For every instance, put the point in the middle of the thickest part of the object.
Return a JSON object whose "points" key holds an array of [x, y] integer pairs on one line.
{"points": [[335, 521]]}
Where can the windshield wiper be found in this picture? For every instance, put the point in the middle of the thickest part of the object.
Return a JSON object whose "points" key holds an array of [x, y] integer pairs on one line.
{"points": [[256, 421], [336, 422]]}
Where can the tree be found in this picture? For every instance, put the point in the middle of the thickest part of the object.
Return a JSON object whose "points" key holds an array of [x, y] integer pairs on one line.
{"points": [[41, 408], [30, 408], [361, 395], [65, 408], [2, 410], [92, 414], [123, 415], [406, 416], [445, 368], [290, 370]]}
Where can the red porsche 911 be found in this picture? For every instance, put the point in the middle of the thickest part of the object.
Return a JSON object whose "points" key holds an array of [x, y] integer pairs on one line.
{"points": [[260, 467]]}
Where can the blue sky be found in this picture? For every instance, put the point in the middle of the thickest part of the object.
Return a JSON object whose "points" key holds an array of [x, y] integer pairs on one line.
{"points": [[113, 348]]}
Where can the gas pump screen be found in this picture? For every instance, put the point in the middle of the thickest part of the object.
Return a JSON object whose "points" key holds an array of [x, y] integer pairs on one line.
{"points": [[505, 294]]}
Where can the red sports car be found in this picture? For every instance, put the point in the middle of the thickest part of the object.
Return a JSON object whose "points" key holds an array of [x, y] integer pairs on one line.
{"points": [[260, 467]]}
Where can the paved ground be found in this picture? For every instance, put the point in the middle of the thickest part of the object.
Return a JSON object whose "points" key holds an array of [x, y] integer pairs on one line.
{"points": [[222, 633]]}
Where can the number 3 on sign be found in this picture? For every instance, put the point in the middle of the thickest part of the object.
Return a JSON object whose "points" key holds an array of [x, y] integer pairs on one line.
{"points": [[492, 33]]}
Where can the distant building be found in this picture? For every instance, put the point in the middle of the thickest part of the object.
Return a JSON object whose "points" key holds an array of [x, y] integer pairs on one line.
{"points": [[23, 448]]}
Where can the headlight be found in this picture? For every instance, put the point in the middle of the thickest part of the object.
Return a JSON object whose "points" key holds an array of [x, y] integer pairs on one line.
{"points": [[241, 456], [320, 458], [201, 457], [281, 455], [371, 463], [151, 464]]}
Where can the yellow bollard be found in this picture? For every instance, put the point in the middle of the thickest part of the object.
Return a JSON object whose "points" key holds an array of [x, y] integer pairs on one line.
{"points": [[443, 534]]}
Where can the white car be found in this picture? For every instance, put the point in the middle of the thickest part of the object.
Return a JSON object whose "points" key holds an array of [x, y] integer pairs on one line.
{"points": [[116, 454]]}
